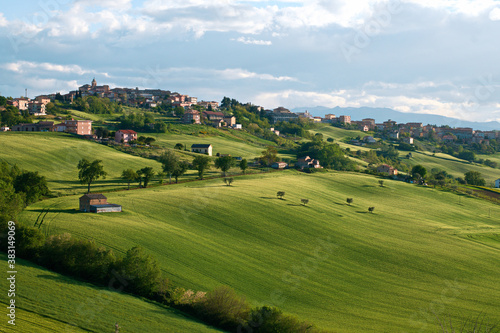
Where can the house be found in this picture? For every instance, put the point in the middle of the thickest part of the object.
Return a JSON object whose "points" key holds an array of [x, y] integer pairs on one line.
{"points": [[191, 117], [4, 129], [279, 165], [281, 114], [202, 149], [25, 127], [497, 183], [307, 162], [387, 169], [408, 140], [79, 127], [364, 128], [369, 139], [213, 116], [394, 135], [237, 126], [97, 203], [230, 121], [46, 126], [124, 136], [36, 108]]}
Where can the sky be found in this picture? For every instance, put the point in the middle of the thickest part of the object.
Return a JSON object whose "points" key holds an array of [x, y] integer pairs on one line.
{"points": [[424, 56]]}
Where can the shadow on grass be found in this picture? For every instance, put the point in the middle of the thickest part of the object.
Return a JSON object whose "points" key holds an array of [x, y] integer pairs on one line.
{"points": [[68, 211], [272, 198], [362, 212], [59, 278], [297, 205]]}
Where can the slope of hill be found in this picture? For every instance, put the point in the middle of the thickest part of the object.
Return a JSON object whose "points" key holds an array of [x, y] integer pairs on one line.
{"points": [[383, 114], [421, 253], [49, 302], [56, 156]]}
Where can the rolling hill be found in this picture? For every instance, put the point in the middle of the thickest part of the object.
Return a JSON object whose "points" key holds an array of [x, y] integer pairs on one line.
{"points": [[49, 302], [422, 253]]}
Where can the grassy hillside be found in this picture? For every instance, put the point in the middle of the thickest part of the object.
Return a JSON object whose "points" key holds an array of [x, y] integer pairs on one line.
{"points": [[49, 302], [56, 155], [421, 251]]}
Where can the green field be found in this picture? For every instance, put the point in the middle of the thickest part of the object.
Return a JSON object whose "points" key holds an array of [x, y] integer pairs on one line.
{"points": [[49, 302], [56, 155], [422, 253]]}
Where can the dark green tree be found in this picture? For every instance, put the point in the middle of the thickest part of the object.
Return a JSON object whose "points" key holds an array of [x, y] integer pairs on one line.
{"points": [[243, 165], [224, 163], [141, 271], [147, 174], [418, 169], [32, 185], [170, 162], [474, 178], [269, 156], [181, 169], [129, 175], [201, 163], [90, 171]]}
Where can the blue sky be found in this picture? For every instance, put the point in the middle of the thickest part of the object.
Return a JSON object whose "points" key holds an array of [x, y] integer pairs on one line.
{"points": [[426, 56]]}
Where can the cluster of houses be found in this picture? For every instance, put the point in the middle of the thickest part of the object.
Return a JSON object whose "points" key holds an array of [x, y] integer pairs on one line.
{"points": [[79, 127], [35, 107]]}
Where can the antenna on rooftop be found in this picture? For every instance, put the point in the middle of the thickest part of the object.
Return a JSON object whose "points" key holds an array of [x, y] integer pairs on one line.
{"points": [[26, 92]]}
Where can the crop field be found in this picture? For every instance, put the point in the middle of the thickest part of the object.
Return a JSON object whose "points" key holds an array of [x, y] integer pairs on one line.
{"points": [[49, 302], [422, 253]]}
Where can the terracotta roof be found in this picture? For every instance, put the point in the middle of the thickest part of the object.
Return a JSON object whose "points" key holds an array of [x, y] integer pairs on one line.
{"points": [[128, 131], [213, 113]]}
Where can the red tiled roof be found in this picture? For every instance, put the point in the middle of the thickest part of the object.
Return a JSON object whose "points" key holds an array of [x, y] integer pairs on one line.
{"points": [[128, 131]]}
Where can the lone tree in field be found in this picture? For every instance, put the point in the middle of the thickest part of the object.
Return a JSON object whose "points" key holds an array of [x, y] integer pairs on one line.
{"points": [[129, 175], [224, 163], [181, 169], [371, 209], [228, 181], [304, 201], [381, 182], [169, 162], [280, 194], [201, 163], [179, 146], [418, 170], [90, 171], [243, 165], [147, 173], [349, 201]]}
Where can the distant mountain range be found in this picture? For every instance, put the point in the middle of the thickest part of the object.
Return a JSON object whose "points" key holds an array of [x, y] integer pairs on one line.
{"points": [[382, 114]]}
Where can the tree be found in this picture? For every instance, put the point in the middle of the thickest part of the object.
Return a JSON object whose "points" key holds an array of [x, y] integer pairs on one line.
{"points": [[304, 201], [280, 194], [170, 162], [243, 165], [90, 171], [179, 146], [149, 140], [381, 182], [228, 180], [418, 169], [269, 156], [181, 169], [141, 271], [147, 174], [224, 163], [32, 185], [201, 163], [371, 209], [474, 178], [349, 201], [129, 175]]}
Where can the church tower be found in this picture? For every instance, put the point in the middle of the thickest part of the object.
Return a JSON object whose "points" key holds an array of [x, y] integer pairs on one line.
{"points": [[94, 83]]}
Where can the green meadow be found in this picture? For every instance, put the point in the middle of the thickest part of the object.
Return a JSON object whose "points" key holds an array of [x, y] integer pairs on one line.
{"points": [[422, 253], [49, 302], [56, 156]]}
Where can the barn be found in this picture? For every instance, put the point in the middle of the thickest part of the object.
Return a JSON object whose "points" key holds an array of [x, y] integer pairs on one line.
{"points": [[97, 203]]}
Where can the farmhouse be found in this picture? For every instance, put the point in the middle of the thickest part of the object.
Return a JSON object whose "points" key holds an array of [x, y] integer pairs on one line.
{"points": [[307, 162], [97, 203], [202, 149], [387, 169], [125, 136], [497, 183], [279, 165]]}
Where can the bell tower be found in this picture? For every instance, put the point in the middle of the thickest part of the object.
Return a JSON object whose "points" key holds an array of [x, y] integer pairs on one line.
{"points": [[94, 83]]}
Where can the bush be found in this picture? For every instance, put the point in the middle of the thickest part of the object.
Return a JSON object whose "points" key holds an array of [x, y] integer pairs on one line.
{"points": [[224, 308]]}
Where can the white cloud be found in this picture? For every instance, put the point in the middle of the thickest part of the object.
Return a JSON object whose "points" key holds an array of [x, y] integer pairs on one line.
{"points": [[3, 21], [238, 73], [245, 40], [29, 67], [495, 14]]}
